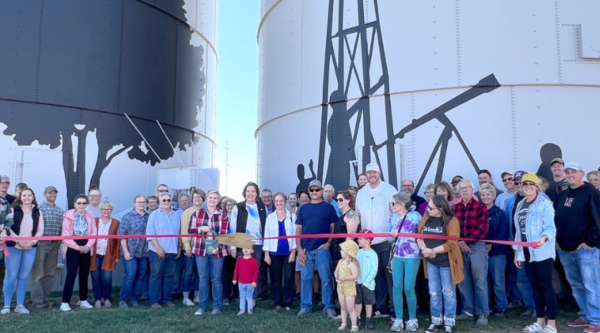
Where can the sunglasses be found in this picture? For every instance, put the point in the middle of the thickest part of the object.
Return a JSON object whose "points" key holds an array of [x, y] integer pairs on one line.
{"points": [[166, 200], [315, 190], [507, 180], [339, 199], [431, 208], [528, 184], [517, 182], [392, 203], [81, 203]]}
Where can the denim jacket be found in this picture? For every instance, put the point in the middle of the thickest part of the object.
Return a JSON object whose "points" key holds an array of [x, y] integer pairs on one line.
{"points": [[540, 221]]}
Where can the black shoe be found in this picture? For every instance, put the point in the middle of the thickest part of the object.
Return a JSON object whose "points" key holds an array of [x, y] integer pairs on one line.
{"points": [[369, 324], [433, 328]]}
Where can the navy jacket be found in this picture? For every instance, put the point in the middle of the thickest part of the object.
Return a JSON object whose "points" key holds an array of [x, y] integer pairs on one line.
{"points": [[499, 230]]}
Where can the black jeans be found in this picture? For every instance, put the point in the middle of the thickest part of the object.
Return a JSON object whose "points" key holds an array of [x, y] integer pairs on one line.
{"points": [[281, 268], [227, 277], [384, 282], [539, 274], [263, 278], [77, 262]]}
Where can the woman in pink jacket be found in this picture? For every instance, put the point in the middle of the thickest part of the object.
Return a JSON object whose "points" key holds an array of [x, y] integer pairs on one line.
{"points": [[78, 222]]}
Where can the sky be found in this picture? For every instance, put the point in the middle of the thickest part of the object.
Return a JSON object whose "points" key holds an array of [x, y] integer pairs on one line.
{"points": [[237, 24]]}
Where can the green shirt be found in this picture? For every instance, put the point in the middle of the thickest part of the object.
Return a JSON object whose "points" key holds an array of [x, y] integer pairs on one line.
{"points": [[367, 268]]}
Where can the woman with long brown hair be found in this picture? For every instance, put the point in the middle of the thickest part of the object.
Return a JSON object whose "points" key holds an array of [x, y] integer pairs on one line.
{"points": [[27, 222], [347, 223]]}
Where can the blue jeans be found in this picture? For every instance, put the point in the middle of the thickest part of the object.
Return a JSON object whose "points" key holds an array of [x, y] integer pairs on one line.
{"points": [[512, 289], [161, 277], [210, 266], [190, 274], [322, 259], [525, 289], [101, 280], [497, 267], [178, 275], [440, 286], [18, 267], [246, 292], [474, 288], [582, 268], [404, 272], [136, 277]]}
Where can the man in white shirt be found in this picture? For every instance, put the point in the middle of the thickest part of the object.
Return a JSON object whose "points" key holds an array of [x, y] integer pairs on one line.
{"points": [[373, 205]]}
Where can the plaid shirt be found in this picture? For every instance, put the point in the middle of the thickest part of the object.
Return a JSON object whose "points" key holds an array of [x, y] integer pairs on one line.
{"points": [[53, 219], [219, 222], [473, 218]]}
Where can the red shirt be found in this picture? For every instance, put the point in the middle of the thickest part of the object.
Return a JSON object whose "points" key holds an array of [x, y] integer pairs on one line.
{"points": [[474, 220], [246, 271]]}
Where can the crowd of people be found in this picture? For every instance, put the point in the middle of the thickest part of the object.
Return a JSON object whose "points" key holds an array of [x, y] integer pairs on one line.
{"points": [[460, 279]]}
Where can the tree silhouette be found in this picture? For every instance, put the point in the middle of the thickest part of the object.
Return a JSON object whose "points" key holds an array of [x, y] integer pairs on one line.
{"points": [[123, 57]]}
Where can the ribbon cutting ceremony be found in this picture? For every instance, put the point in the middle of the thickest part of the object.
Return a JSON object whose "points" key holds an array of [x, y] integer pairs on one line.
{"points": [[299, 166]]}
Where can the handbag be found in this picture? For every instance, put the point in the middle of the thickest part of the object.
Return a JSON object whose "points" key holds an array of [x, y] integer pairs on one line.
{"points": [[393, 247], [212, 245]]}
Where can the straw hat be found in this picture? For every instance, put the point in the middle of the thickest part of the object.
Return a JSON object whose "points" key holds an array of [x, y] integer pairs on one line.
{"points": [[350, 247]]}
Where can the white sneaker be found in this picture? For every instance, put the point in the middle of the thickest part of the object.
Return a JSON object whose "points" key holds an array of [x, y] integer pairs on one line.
{"points": [[65, 307], [85, 305], [107, 303], [188, 302], [21, 309], [5, 310], [98, 304], [196, 299]]}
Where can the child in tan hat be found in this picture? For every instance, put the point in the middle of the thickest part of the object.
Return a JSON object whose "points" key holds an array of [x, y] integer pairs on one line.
{"points": [[346, 274]]}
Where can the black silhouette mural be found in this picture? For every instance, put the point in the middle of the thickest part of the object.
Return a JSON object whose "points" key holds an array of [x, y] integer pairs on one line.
{"points": [[360, 44], [548, 152], [84, 65]]}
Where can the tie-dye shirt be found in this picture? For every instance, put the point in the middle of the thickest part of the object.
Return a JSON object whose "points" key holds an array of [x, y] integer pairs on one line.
{"points": [[406, 247], [253, 226]]}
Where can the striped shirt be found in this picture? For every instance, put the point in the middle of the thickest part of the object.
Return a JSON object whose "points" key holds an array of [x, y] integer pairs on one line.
{"points": [[53, 219]]}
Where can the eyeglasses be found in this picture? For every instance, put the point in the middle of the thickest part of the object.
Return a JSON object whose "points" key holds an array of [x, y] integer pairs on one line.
{"points": [[517, 182], [392, 203], [315, 190], [507, 180], [166, 200], [464, 189], [339, 199], [528, 184], [81, 203], [106, 209], [431, 208], [163, 191], [428, 192]]}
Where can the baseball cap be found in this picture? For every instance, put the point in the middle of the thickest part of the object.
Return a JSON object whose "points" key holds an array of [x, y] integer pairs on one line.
{"points": [[373, 167], [519, 174], [5, 179], [366, 233], [505, 173], [557, 160], [50, 189], [532, 177], [574, 165], [315, 182], [456, 179]]}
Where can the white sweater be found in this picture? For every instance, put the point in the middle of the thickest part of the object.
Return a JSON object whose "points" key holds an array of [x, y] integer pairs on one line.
{"points": [[373, 206]]}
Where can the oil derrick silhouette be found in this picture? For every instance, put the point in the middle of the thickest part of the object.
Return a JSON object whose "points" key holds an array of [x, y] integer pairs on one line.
{"points": [[357, 40]]}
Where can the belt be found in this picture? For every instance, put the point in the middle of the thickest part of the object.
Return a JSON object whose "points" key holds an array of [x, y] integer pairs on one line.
{"points": [[52, 241]]}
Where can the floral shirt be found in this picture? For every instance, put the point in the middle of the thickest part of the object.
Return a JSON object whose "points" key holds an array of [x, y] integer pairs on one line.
{"points": [[135, 224], [102, 242], [406, 247], [80, 226]]}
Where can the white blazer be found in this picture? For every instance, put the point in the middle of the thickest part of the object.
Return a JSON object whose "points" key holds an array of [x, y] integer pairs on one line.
{"points": [[272, 230]]}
